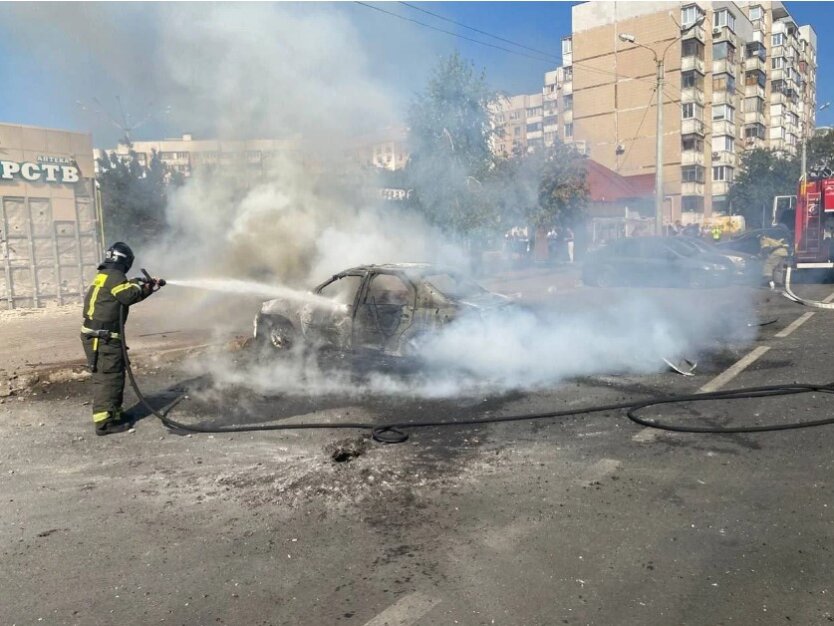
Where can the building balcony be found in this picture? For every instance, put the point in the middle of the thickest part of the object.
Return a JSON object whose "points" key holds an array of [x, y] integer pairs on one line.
{"points": [[692, 94], [754, 91], [567, 58], [751, 143], [692, 189], [754, 117], [551, 96], [692, 157], [777, 97], [695, 33], [723, 127], [692, 63], [725, 34], [551, 128], [754, 63], [724, 157], [567, 87], [692, 126], [720, 187], [778, 74], [723, 97], [567, 116], [722, 66]]}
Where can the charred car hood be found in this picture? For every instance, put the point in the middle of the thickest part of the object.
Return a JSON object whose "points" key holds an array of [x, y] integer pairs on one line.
{"points": [[486, 301]]}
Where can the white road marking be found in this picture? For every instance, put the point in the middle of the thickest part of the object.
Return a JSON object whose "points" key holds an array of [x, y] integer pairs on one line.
{"points": [[405, 611], [650, 434], [599, 470], [829, 298], [646, 435], [799, 321]]}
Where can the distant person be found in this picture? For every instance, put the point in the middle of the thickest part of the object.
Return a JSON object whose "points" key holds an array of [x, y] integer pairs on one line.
{"points": [[716, 233], [110, 293], [569, 240]]}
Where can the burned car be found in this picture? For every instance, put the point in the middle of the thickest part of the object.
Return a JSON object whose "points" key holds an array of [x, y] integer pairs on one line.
{"points": [[388, 309]]}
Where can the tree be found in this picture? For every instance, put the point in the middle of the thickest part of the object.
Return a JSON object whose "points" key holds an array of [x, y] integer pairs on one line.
{"points": [[762, 175], [134, 196], [449, 135], [563, 192]]}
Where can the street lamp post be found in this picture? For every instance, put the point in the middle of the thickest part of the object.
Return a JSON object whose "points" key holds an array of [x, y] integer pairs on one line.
{"points": [[660, 63]]}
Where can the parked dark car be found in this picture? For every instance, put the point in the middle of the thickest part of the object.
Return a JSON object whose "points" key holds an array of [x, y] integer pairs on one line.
{"points": [[747, 268], [388, 309], [655, 261]]}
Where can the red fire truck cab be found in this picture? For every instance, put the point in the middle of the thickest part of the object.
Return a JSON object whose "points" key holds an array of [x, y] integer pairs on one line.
{"points": [[813, 243]]}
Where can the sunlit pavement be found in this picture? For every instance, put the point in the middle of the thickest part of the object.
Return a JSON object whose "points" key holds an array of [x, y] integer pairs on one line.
{"points": [[587, 520]]}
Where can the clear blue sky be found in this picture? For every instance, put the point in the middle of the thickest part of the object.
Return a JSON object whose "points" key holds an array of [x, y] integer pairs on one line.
{"points": [[51, 60]]}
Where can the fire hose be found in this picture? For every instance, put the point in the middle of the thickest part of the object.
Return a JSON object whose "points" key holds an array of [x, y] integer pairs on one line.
{"points": [[790, 295], [395, 432]]}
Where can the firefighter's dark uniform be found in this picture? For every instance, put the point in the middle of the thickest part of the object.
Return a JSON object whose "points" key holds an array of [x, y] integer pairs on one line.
{"points": [[110, 291]]}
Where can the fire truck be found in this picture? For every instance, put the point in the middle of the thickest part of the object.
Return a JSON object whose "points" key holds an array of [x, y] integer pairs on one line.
{"points": [[814, 225]]}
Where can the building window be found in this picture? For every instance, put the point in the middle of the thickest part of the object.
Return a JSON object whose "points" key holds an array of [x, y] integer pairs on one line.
{"points": [[567, 103], [532, 128], [723, 82], [691, 110], [567, 45], [754, 131], [692, 204], [723, 50], [723, 112], [568, 130], [755, 78], [568, 74], [690, 14], [692, 174], [755, 13], [777, 39], [692, 48], [777, 63], [692, 142], [724, 143], [724, 18], [756, 49], [692, 79], [720, 204], [753, 105], [722, 173], [516, 130]]}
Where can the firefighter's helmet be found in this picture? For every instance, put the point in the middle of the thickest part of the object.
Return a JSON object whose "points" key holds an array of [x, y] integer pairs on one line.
{"points": [[119, 254]]}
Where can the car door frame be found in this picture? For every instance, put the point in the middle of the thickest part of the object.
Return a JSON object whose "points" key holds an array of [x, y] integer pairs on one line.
{"points": [[365, 337], [334, 326]]}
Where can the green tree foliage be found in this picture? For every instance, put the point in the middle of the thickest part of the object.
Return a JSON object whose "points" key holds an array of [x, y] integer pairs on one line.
{"points": [[563, 189], [134, 196], [449, 138], [821, 153], [762, 175]]}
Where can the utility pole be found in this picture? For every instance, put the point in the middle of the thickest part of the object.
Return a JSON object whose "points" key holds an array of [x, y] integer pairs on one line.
{"points": [[660, 63]]}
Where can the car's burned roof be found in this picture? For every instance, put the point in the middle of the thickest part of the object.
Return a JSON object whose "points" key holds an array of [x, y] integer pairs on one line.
{"points": [[408, 268]]}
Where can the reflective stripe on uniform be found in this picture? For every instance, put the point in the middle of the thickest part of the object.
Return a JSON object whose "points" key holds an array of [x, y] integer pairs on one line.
{"points": [[98, 283], [120, 288], [101, 416], [90, 331], [95, 344]]}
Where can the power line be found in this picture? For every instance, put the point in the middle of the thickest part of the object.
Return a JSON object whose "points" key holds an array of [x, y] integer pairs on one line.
{"points": [[453, 34], [482, 32]]}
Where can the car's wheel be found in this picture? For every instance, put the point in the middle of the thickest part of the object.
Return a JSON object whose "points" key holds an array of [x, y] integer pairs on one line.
{"points": [[275, 334]]}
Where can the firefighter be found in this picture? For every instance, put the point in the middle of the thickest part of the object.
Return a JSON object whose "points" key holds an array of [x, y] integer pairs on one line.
{"points": [[716, 233], [110, 293]]}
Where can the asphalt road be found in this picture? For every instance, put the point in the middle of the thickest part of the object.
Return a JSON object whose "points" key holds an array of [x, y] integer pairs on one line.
{"points": [[585, 520]]}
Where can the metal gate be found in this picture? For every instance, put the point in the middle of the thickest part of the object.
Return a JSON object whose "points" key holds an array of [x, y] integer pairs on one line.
{"points": [[45, 261]]}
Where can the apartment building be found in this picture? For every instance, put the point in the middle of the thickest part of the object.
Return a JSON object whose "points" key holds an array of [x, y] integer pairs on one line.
{"points": [[186, 153], [50, 238], [519, 123], [738, 75]]}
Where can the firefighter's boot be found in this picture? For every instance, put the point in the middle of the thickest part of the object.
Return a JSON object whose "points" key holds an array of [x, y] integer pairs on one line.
{"points": [[114, 423]]}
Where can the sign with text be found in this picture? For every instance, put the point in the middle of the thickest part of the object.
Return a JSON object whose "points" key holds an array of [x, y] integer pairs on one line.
{"points": [[48, 169]]}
